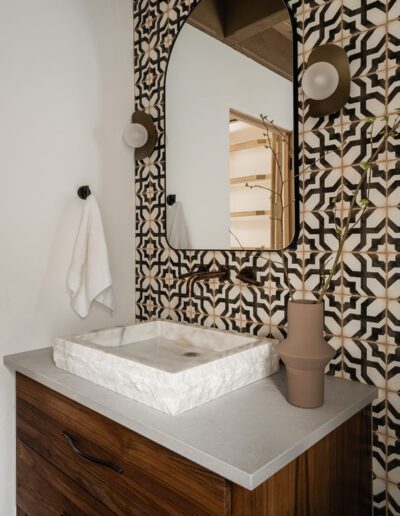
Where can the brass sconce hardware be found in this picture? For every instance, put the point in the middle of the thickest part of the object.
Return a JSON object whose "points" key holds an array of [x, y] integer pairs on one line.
{"points": [[328, 69], [141, 134]]}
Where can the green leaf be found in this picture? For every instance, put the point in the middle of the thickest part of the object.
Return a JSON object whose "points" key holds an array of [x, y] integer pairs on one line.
{"points": [[339, 230], [364, 202], [365, 166], [385, 117], [371, 120]]}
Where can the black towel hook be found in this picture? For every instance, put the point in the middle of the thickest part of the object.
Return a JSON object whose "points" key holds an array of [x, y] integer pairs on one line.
{"points": [[84, 192], [171, 199]]}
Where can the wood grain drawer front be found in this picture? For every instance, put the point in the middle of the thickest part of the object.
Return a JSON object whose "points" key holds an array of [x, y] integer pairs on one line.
{"points": [[153, 480], [42, 490]]}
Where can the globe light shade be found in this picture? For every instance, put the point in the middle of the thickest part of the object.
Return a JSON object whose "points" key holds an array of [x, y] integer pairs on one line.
{"points": [[320, 80], [136, 135]]}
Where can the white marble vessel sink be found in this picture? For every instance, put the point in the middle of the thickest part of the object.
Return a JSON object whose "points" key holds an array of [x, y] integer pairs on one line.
{"points": [[169, 366]]}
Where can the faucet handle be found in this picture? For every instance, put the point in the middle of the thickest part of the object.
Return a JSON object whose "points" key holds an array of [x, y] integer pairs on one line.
{"points": [[200, 268], [248, 275], [225, 273]]}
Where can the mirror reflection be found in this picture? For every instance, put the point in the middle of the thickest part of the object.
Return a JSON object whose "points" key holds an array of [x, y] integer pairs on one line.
{"points": [[229, 125]]}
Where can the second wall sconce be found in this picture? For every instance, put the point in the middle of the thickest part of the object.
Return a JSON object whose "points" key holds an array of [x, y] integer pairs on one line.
{"points": [[327, 79], [141, 134]]}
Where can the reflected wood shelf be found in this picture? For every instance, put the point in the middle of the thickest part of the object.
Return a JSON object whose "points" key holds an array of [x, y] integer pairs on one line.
{"points": [[250, 179], [254, 213], [248, 145]]}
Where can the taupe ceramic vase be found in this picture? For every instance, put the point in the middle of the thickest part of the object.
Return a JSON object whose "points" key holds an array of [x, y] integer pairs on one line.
{"points": [[305, 354]]}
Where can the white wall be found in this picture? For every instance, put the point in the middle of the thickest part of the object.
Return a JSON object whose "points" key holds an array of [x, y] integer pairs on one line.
{"points": [[205, 79], [65, 98]]}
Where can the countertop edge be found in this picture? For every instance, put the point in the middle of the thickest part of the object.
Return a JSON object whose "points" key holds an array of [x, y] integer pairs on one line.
{"points": [[281, 461], [247, 480]]}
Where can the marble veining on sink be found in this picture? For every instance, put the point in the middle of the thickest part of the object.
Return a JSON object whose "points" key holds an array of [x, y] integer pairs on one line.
{"points": [[169, 366]]}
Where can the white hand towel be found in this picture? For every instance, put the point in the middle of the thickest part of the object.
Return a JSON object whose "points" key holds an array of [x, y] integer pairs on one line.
{"points": [[89, 276], [177, 231]]}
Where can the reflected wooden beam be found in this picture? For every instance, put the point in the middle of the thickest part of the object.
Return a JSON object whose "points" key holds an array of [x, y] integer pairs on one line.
{"points": [[244, 19], [271, 50], [261, 29], [285, 29], [208, 17]]}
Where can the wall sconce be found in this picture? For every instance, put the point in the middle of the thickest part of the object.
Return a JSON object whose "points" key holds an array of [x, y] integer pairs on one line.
{"points": [[141, 134], [326, 80]]}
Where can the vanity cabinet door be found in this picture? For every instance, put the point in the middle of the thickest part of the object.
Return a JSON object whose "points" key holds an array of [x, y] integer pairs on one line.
{"points": [[139, 477], [42, 490]]}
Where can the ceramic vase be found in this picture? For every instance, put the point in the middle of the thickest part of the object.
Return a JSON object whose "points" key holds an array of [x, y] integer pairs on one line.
{"points": [[305, 354]]}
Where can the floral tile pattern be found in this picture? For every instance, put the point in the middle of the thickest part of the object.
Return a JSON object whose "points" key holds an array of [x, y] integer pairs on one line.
{"points": [[363, 304]]}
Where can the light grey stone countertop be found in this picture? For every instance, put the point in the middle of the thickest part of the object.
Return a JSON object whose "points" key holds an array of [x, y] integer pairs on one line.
{"points": [[245, 436]]}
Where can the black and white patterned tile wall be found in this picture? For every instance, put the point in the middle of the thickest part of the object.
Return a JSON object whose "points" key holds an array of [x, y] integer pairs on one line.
{"points": [[363, 305]]}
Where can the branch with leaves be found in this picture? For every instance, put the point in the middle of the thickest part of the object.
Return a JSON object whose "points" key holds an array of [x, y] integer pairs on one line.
{"points": [[278, 196], [344, 232], [356, 208]]}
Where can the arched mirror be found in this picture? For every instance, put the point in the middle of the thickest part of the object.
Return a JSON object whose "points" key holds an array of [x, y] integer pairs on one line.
{"points": [[231, 128]]}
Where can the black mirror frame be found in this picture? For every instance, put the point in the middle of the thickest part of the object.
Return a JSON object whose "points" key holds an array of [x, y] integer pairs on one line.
{"points": [[296, 150]]}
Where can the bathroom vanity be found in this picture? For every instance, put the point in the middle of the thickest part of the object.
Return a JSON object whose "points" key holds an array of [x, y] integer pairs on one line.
{"points": [[84, 450]]}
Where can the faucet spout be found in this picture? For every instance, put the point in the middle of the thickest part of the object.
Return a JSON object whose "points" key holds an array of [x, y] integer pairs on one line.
{"points": [[223, 274]]}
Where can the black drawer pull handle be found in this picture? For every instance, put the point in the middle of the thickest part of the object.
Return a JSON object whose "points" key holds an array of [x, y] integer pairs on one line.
{"points": [[84, 456]]}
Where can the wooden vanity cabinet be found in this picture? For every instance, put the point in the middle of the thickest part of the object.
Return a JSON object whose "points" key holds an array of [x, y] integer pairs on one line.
{"points": [[72, 461]]}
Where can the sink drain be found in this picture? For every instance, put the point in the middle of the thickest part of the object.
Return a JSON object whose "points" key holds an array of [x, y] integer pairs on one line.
{"points": [[191, 354]]}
